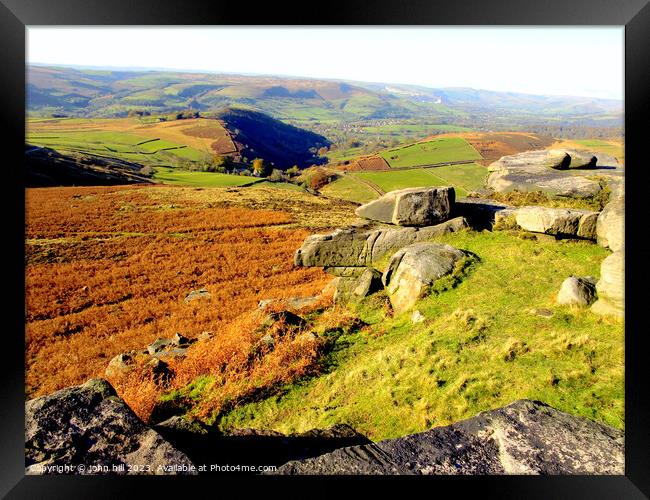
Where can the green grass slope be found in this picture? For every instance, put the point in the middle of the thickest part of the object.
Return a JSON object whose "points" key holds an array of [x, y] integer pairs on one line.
{"points": [[479, 348], [440, 150]]}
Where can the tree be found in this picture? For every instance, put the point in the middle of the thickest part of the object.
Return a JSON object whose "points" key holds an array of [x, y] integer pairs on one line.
{"points": [[260, 168], [293, 171]]}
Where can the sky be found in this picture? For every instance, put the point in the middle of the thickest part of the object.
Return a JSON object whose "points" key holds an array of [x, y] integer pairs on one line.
{"points": [[576, 61]]}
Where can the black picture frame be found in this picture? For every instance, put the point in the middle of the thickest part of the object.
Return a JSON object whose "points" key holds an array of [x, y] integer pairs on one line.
{"points": [[15, 15]]}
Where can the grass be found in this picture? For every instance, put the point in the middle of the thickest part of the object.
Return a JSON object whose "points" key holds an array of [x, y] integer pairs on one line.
{"points": [[479, 348], [347, 187], [123, 145], [464, 178], [440, 150], [201, 179]]}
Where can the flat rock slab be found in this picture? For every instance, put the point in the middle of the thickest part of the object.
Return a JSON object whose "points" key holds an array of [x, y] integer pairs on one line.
{"points": [[558, 221], [526, 437], [349, 248], [543, 171], [413, 269], [423, 206], [90, 426]]}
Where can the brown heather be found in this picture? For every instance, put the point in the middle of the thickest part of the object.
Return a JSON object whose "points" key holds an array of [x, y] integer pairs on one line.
{"points": [[107, 270]]}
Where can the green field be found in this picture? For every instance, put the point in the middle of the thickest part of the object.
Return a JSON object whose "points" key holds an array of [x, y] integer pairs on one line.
{"points": [[441, 150], [201, 179], [347, 187], [464, 178], [123, 145]]}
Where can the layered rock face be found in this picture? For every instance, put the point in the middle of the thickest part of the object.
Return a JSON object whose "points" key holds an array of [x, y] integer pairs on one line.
{"points": [[526, 437], [411, 207], [89, 429], [558, 221], [352, 254], [353, 248], [557, 172]]}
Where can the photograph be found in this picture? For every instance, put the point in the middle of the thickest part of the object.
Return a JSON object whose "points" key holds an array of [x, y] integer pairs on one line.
{"points": [[324, 250]]}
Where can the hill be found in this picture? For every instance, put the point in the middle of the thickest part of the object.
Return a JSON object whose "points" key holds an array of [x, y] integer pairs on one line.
{"points": [[110, 93], [46, 167], [187, 143]]}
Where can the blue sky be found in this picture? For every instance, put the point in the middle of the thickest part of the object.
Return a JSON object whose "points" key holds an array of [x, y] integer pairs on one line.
{"points": [[578, 61]]}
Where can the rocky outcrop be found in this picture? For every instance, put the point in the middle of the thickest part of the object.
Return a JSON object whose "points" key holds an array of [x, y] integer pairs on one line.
{"points": [[548, 171], [610, 227], [611, 286], [354, 288], [579, 291], [561, 222], [413, 269], [355, 248], [411, 207], [90, 430], [526, 437], [482, 213]]}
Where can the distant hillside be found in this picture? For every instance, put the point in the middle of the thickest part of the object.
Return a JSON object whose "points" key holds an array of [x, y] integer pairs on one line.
{"points": [[260, 136], [238, 133], [110, 93], [45, 167]]}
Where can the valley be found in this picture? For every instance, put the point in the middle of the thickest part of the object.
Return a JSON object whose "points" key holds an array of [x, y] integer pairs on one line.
{"points": [[242, 258]]}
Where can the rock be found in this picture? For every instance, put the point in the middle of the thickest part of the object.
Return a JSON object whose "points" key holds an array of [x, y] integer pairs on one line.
{"points": [[558, 221], [526, 437], [385, 242], [120, 364], [529, 171], [286, 317], [353, 289], [90, 425], [582, 159], [197, 294], [547, 159], [369, 282], [417, 317], [413, 269], [290, 302], [577, 291], [542, 312], [158, 345], [349, 248], [205, 336], [157, 369], [179, 424], [181, 341], [421, 206], [611, 286], [481, 213], [610, 226], [345, 272]]}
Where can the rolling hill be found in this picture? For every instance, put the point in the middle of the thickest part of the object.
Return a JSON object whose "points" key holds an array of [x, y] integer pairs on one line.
{"points": [[240, 134], [111, 93]]}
